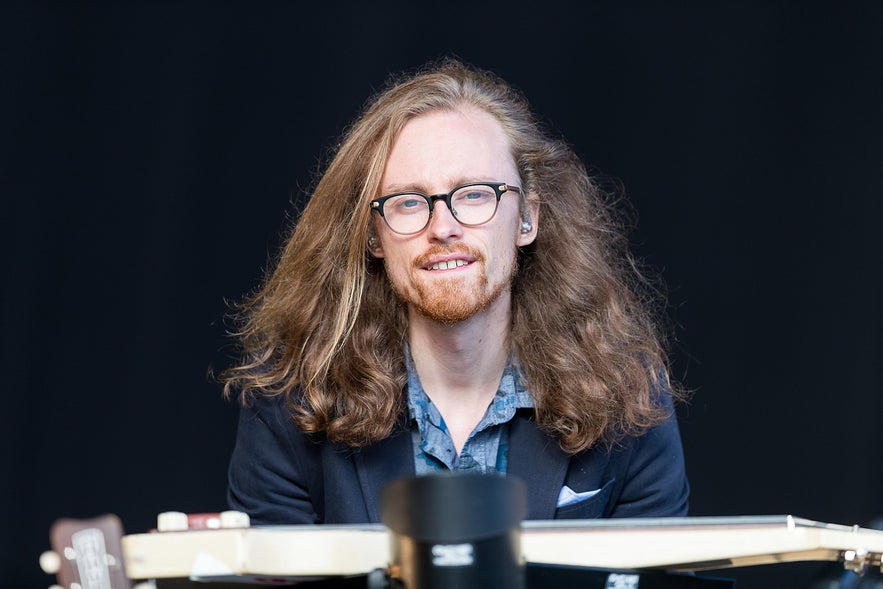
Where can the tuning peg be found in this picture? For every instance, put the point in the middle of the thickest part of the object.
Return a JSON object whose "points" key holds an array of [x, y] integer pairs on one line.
{"points": [[234, 519], [856, 560], [172, 521], [50, 562]]}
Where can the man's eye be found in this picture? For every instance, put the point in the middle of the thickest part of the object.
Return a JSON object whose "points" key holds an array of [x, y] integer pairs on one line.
{"points": [[408, 204], [475, 196]]}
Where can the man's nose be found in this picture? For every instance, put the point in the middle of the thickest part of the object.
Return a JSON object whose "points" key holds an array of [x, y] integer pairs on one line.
{"points": [[443, 226]]}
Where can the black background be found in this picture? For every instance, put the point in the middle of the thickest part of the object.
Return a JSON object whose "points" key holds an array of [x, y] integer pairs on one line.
{"points": [[151, 153]]}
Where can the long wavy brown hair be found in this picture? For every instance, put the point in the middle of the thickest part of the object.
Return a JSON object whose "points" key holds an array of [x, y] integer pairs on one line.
{"points": [[326, 330]]}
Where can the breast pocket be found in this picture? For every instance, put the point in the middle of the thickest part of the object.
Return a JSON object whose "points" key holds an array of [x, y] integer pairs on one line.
{"points": [[589, 508]]}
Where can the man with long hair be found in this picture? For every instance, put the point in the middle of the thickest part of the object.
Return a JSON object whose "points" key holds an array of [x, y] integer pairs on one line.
{"points": [[458, 294]]}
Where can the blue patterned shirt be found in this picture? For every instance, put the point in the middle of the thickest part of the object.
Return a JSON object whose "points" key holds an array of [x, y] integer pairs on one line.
{"points": [[487, 448]]}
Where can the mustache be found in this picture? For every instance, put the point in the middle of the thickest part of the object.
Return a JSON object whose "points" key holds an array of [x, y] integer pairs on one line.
{"points": [[440, 250]]}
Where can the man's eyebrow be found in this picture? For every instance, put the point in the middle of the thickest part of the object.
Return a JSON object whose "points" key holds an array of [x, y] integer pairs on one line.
{"points": [[417, 187], [402, 188]]}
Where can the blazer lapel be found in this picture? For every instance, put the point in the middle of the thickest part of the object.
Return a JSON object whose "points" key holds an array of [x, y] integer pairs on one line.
{"points": [[379, 464], [536, 459]]}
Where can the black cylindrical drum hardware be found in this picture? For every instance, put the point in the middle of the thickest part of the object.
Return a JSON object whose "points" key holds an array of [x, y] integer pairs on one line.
{"points": [[456, 531]]}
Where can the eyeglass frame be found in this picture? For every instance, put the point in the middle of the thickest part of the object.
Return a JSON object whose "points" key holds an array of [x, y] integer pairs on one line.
{"points": [[499, 188]]}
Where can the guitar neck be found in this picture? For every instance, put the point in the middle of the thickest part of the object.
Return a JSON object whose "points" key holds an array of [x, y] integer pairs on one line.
{"points": [[697, 544]]}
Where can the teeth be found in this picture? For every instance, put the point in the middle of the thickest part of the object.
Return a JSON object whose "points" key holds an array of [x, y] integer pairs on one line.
{"points": [[448, 265]]}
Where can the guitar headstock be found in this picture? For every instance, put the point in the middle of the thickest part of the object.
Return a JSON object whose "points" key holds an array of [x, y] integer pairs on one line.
{"points": [[87, 553]]}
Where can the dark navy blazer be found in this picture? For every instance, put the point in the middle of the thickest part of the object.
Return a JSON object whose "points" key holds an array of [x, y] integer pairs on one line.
{"points": [[278, 475]]}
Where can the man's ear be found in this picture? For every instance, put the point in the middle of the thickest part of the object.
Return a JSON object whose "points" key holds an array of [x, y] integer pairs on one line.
{"points": [[374, 247], [530, 220]]}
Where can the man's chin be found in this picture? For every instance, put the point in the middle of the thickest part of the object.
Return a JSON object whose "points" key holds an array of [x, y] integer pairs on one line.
{"points": [[451, 306], [450, 302], [448, 314]]}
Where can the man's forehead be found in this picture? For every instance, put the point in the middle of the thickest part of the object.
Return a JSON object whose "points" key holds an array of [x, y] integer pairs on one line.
{"points": [[440, 150]]}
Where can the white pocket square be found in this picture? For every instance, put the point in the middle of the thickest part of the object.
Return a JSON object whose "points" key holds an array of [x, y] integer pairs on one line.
{"points": [[568, 496]]}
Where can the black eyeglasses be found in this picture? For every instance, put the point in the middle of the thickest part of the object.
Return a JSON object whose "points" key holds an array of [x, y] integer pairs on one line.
{"points": [[471, 204]]}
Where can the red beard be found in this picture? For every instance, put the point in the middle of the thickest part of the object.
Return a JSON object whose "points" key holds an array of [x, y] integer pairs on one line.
{"points": [[455, 299]]}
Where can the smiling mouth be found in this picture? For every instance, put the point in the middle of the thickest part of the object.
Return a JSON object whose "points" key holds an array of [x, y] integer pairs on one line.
{"points": [[448, 265]]}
